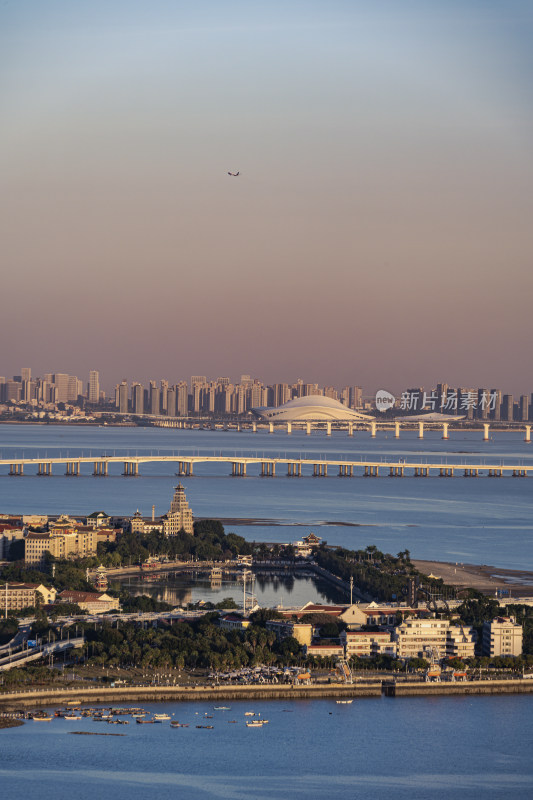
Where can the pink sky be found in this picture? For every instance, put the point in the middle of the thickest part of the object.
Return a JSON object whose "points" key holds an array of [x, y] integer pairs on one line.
{"points": [[379, 233]]}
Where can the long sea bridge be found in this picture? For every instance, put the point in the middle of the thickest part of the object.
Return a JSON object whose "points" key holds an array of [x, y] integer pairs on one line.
{"points": [[268, 466]]}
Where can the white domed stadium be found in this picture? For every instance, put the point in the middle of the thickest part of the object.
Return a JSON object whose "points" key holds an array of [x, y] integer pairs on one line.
{"points": [[310, 409]]}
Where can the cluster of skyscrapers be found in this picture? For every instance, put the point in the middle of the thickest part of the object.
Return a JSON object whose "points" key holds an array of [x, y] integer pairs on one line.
{"points": [[483, 404], [222, 396]]}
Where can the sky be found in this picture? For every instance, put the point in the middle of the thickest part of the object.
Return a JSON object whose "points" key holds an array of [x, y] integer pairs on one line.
{"points": [[379, 233]]}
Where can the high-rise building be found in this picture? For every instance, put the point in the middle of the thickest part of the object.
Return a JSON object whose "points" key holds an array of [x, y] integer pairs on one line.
{"points": [[523, 409], [163, 396], [508, 408], [137, 398], [483, 403], [94, 387], [182, 401], [121, 397], [25, 374], [61, 383], [171, 402], [496, 399], [155, 398]]}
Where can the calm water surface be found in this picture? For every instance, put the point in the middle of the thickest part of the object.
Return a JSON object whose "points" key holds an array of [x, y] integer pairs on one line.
{"points": [[455, 519], [376, 748]]}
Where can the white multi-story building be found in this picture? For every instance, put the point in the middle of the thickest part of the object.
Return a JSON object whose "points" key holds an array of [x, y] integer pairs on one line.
{"points": [[502, 637], [415, 638]]}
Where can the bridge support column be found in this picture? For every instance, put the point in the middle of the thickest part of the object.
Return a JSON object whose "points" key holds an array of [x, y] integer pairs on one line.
{"points": [[272, 469], [350, 429], [243, 470], [528, 434], [351, 470], [445, 430], [366, 472], [254, 427], [486, 428], [189, 468], [392, 472], [441, 472], [289, 470], [271, 427], [373, 430], [300, 470], [234, 469], [396, 430], [308, 428], [420, 430], [328, 428], [289, 428], [416, 472], [135, 469], [262, 469]]}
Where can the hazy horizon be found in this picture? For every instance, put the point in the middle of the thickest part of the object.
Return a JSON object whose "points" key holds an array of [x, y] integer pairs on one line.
{"points": [[379, 232]]}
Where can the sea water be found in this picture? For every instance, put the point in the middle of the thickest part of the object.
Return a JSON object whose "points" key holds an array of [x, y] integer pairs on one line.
{"points": [[475, 520], [406, 748]]}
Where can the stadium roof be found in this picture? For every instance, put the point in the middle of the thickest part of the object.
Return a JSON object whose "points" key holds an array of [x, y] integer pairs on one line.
{"points": [[306, 409]]}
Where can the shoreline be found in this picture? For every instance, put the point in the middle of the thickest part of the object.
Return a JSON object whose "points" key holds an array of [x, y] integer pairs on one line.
{"points": [[483, 577]]}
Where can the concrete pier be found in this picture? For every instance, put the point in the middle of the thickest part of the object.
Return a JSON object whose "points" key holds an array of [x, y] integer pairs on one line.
{"points": [[396, 430], [373, 430], [528, 434], [486, 429], [420, 430], [445, 430]]}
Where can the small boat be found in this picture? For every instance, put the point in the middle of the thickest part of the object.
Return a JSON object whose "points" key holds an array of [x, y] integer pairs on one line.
{"points": [[71, 716], [208, 716], [179, 724], [42, 717], [255, 723], [232, 721], [158, 717], [206, 727], [221, 708], [344, 702], [249, 713], [144, 721]]}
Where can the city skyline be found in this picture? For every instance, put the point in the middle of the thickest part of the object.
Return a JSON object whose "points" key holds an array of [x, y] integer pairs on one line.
{"points": [[221, 396], [379, 224]]}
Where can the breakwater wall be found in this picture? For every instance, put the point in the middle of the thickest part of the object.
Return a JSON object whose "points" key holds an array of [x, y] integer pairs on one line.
{"points": [[412, 688], [97, 695], [104, 695]]}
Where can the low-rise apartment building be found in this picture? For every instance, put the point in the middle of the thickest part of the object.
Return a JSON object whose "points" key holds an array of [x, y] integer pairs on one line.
{"points": [[16, 596], [61, 543]]}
